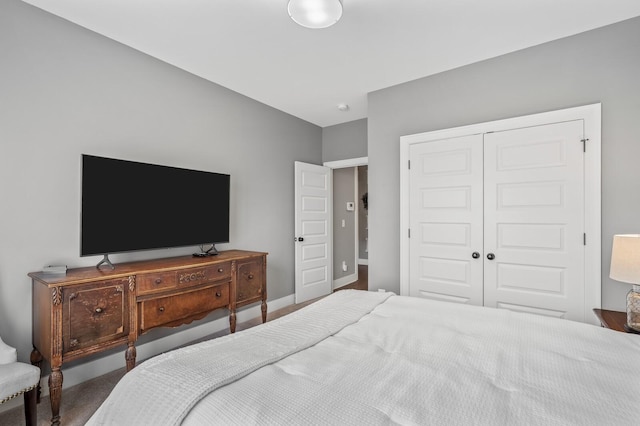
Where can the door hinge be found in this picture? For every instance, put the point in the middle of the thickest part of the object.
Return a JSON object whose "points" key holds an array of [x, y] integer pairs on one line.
{"points": [[584, 144], [409, 164], [584, 239], [409, 233]]}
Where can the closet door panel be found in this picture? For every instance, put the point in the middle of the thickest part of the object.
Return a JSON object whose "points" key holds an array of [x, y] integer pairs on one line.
{"points": [[446, 220], [534, 220]]}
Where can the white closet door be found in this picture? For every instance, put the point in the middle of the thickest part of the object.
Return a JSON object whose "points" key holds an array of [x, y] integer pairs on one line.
{"points": [[534, 220], [445, 197]]}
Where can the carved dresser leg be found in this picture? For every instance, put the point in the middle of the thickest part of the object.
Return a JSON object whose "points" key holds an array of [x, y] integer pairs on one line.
{"points": [[232, 321], [130, 356], [55, 394]]}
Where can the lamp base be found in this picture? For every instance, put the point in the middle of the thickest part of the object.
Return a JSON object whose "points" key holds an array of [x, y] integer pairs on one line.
{"points": [[630, 330]]}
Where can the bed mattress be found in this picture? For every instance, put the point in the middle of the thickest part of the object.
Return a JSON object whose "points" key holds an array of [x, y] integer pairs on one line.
{"points": [[373, 358]]}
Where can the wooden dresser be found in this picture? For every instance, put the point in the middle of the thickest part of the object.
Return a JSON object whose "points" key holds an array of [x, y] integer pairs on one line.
{"points": [[88, 311]]}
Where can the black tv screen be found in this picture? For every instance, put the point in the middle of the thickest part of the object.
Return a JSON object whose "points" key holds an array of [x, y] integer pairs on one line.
{"points": [[129, 206]]}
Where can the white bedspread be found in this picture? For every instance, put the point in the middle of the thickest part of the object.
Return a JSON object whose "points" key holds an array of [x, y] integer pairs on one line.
{"points": [[162, 390], [409, 361]]}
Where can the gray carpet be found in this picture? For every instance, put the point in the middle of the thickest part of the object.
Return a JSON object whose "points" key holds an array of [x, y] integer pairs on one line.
{"points": [[78, 402]]}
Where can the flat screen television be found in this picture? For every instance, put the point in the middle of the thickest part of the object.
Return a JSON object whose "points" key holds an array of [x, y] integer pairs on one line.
{"points": [[129, 206]]}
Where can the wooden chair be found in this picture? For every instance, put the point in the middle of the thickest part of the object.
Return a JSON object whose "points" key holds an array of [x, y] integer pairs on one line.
{"points": [[18, 378]]}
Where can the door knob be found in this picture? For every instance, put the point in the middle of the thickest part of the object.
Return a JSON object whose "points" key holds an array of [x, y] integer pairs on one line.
{"points": [[299, 239], [491, 256], [475, 255]]}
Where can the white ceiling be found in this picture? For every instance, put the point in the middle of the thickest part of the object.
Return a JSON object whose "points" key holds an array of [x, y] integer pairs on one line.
{"points": [[254, 48]]}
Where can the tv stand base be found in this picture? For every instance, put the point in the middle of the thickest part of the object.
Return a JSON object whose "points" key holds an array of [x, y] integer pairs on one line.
{"points": [[212, 251], [105, 261]]}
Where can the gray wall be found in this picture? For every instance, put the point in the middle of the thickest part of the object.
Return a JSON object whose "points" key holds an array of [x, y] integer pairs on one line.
{"points": [[602, 65], [344, 245], [67, 91], [345, 141]]}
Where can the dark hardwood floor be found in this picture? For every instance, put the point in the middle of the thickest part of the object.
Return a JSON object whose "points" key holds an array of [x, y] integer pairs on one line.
{"points": [[363, 280]]}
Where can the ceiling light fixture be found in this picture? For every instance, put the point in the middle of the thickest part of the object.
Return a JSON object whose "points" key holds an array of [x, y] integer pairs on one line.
{"points": [[315, 13]]}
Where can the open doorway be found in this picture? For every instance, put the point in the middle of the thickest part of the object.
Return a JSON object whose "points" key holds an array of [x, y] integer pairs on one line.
{"points": [[350, 223]]}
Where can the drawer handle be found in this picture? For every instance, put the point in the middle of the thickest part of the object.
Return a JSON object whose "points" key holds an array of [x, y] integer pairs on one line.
{"points": [[220, 270], [73, 343], [99, 310], [218, 294], [161, 308], [250, 276], [240, 295], [158, 281]]}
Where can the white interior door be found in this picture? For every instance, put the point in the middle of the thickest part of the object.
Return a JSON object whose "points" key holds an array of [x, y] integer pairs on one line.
{"points": [[445, 204], [313, 227], [534, 220]]}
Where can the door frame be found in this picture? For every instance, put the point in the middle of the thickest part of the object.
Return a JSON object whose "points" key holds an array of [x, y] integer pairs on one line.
{"points": [[343, 164], [591, 116]]}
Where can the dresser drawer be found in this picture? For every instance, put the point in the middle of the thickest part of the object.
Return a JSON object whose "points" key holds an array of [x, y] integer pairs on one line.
{"points": [[149, 283], [160, 281], [174, 310], [250, 281], [195, 276], [94, 314]]}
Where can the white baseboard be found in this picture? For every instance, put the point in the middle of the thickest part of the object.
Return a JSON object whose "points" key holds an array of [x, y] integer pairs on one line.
{"points": [[363, 261], [341, 282], [97, 367]]}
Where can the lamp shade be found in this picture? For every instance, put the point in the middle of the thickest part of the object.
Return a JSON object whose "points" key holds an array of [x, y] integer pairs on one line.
{"points": [[625, 258], [315, 13]]}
